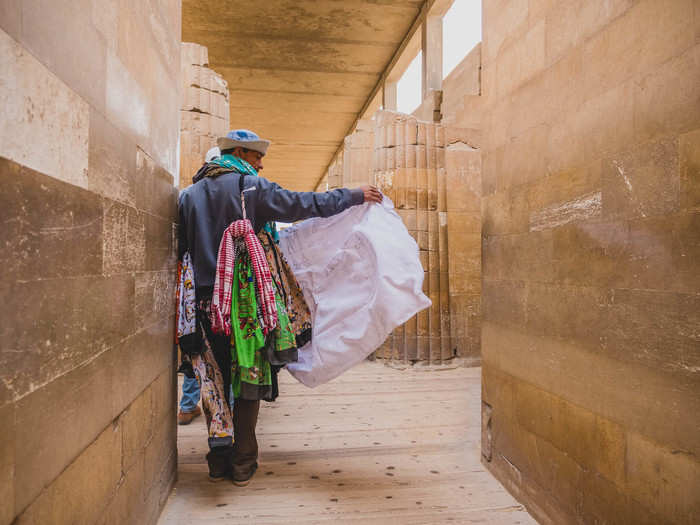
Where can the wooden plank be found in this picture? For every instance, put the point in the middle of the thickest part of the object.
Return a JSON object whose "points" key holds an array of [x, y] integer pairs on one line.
{"points": [[376, 445]]}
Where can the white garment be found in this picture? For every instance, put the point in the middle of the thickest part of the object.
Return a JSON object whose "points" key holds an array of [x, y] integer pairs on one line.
{"points": [[361, 277]]}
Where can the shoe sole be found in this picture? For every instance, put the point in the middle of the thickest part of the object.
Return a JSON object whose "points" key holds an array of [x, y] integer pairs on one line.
{"points": [[241, 483], [217, 480]]}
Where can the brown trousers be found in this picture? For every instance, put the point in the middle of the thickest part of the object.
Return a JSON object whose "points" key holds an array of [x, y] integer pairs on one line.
{"points": [[245, 446]]}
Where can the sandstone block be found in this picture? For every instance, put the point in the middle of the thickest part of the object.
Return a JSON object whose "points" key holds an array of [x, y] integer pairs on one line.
{"points": [[690, 170], [45, 111], [664, 479], [504, 302], [80, 493], [652, 328], [505, 212], [649, 34], [48, 214], [154, 297], [137, 424], [45, 445], [592, 441], [194, 54], [46, 343], [11, 18], [505, 22], [160, 244], [129, 382], [127, 506], [111, 161], [156, 194], [77, 57], [663, 107], [165, 398], [521, 60], [7, 463], [642, 182], [124, 238], [685, 250], [606, 122]]}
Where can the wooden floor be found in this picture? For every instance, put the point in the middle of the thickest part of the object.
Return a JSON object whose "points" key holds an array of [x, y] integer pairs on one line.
{"points": [[377, 445]]}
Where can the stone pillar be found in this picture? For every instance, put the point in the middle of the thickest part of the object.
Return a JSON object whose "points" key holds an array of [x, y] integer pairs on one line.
{"points": [[409, 167], [358, 153], [463, 172], [204, 113], [335, 172], [431, 42], [390, 95]]}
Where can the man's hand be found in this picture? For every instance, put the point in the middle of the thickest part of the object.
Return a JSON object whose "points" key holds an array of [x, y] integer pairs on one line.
{"points": [[371, 194]]}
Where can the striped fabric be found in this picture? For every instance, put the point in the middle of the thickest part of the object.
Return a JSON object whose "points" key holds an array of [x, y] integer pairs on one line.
{"points": [[223, 283]]}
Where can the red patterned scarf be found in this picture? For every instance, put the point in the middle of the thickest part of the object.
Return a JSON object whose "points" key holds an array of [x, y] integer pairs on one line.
{"points": [[223, 283]]}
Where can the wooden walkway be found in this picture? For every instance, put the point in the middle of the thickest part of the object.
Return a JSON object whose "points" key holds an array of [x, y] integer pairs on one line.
{"points": [[375, 446]]}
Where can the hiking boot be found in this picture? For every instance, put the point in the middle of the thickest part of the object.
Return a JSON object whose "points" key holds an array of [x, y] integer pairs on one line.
{"points": [[219, 460], [241, 480], [185, 418]]}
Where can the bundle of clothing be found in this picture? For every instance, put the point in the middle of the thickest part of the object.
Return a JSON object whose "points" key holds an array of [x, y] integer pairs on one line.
{"points": [[256, 303]]}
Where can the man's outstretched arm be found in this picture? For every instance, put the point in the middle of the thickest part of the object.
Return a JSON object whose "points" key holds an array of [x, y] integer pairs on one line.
{"points": [[274, 203]]}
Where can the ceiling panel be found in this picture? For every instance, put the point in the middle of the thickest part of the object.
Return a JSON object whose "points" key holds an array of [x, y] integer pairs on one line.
{"points": [[299, 72]]}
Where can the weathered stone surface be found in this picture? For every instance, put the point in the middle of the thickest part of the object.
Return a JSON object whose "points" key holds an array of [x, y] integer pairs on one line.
{"points": [[76, 54], [7, 463], [667, 100], [11, 17], [633, 44], [45, 445], [154, 297], [137, 424], [127, 505], [690, 170], [160, 243], [654, 329], [111, 162], [642, 182], [81, 492], [42, 346], [42, 110], [664, 479], [44, 216], [124, 238], [633, 395], [129, 381]]}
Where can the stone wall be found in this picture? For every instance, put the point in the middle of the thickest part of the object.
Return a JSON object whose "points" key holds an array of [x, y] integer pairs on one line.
{"points": [[88, 152], [205, 110], [591, 229]]}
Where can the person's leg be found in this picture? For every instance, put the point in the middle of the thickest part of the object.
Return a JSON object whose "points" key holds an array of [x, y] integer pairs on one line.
{"points": [[188, 402], [245, 455]]}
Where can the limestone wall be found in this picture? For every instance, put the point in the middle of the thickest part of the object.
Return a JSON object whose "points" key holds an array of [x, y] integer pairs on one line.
{"points": [[88, 155], [204, 112], [591, 288]]}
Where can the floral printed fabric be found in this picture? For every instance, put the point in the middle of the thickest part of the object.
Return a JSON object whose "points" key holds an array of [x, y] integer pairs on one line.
{"points": [[211, 383], [294, 302], [186, 302]]}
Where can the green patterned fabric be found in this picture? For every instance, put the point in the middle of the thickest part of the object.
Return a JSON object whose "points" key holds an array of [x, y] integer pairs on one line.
{"points": [[251, 369], [245, 328]]}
